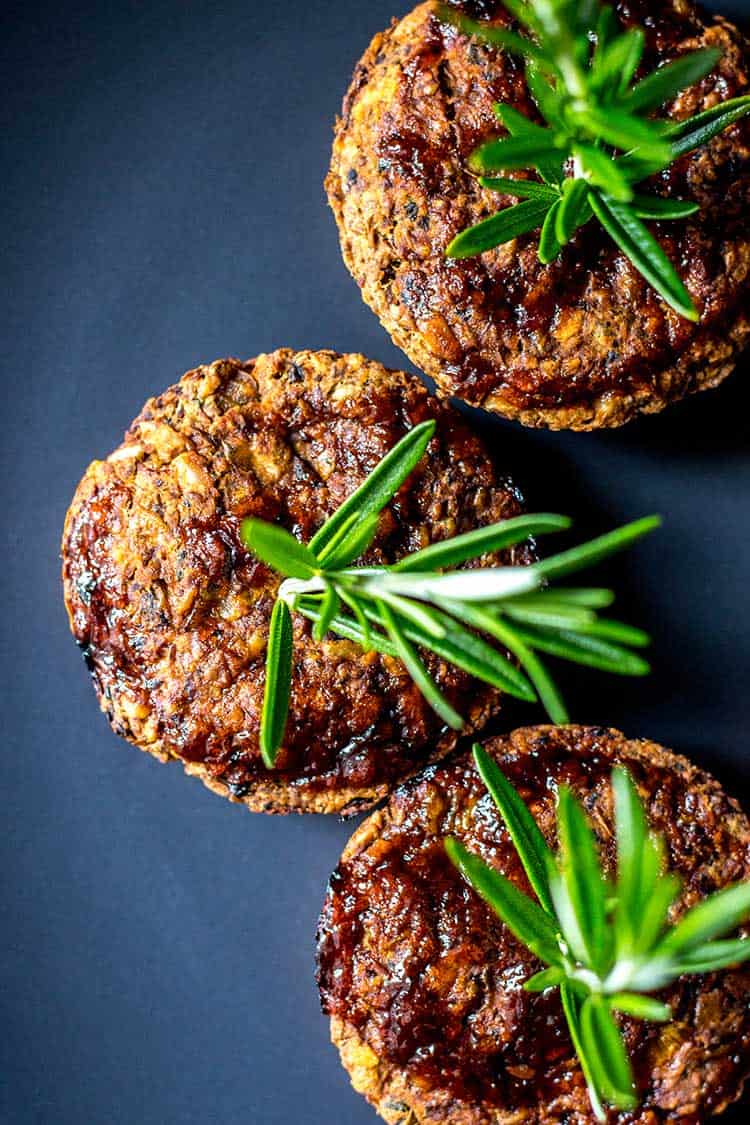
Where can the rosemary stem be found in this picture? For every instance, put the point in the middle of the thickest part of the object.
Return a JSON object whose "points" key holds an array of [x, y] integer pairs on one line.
{"points": [[559, 32], [292, 588]]}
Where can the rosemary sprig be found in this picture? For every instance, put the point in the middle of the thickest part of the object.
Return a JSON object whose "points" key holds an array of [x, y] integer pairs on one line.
{"points": [[423, 602], [604, 945], [599, 138]]}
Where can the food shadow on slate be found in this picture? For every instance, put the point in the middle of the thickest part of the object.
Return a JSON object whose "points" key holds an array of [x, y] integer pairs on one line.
{"points": [[546, 467]]}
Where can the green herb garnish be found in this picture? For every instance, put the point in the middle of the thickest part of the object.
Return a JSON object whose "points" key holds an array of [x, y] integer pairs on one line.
{"points": [[599, 138], [605, 945], [423, 602]]}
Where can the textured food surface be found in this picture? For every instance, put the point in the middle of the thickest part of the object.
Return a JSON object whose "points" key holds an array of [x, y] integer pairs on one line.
{"points": [[424, 984], [580, 343], [172, 612]]}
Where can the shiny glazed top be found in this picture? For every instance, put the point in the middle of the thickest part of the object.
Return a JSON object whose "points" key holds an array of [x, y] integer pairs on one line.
{"points": [[414, 961], [172, 612], [581, 341]]}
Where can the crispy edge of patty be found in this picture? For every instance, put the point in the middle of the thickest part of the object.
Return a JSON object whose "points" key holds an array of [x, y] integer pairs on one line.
{"points": [[271, 793], [401, 1098], [708, 360], [281, 798]]}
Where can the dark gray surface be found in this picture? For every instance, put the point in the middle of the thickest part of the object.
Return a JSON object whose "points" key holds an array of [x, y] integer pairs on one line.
{"points": [[163, 206]]}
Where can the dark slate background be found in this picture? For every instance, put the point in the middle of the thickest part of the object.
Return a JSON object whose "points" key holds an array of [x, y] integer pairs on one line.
{"points": [[163, 206]]}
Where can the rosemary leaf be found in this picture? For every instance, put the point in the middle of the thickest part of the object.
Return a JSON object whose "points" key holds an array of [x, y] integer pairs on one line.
{"points": [[650, 876], [545, 95], [714, 955], [379, 488], [548, 694], [547, 613], [655, 207], [572, 1008], [355, 543], [614, 65], [360, 616], [531, 846], [581, 648], [640, 246], [632, 837], [622, 130], [486, 584], [470, 653], [517, 123], [652, 912], [278, 549], [522, 189], [498, 229], [549, 246], [550, 167], [482, 541], [350, 630], [561, 603], [278, 683], [631, 834], [715, 916], [604, 172], [697, 131], [547, 978], [329, 607], [594, 597], [527, 921], [513, 152], [606, 1053], [665, 83], [574, 211], [600, 627], [424, 619], [588, 554], [344, 529], [417, 670], [640, 1007], [582, 879]]}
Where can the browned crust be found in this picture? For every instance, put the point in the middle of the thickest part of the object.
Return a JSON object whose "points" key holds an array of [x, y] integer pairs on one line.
{"points": [[583, 343], [172, 612], [700, 1071]]}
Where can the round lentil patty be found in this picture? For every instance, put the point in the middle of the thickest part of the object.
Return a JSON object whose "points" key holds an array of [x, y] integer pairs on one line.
{"points": [[583, 342], [423, 983], [173, 613]]}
